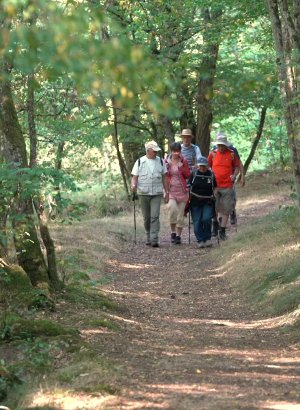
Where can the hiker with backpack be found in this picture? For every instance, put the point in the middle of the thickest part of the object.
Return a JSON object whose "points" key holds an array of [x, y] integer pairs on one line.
{"points": [[150, 182], [178, 173], [191, 152], [233, 217], [202, 184], [225, 166]]}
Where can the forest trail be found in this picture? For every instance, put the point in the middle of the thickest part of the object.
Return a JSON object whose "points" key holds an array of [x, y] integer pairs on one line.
{"points": [[188, 341]]}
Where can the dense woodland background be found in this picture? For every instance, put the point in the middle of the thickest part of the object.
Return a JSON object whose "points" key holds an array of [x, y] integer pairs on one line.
{"points": [[84, 84]]}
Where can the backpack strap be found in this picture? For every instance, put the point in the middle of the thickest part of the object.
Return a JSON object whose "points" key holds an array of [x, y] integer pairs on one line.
{"points": [[214, 153]]}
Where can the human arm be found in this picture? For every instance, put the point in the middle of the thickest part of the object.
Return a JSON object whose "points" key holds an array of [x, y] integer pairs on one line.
{"points": [[185, 169], [241, 167], [242, 174], [210, 159], [134, 182], [198, 153], [134, 177], [236, 167], [166, 188]]}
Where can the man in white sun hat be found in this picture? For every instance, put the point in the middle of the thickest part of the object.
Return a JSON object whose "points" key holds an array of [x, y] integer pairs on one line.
{"points": [[150, 182], [226, 166]]}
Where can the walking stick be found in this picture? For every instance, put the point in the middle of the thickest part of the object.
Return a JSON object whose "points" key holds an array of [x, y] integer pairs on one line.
{"points": [[189, 226], [134, 197]]}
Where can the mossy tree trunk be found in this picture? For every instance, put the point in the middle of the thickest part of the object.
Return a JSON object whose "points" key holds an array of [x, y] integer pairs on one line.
{"points": [[28, 249], [40, 209]]}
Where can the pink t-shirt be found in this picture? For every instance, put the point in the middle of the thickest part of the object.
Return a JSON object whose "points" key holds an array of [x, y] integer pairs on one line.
{"points": [[176, 189]]}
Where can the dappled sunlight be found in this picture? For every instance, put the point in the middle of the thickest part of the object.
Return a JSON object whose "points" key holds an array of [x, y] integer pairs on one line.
{"points": [[279, 405], [115, 262], [123, 319], [67, 400], [249, 355], [269, 323], [253, 202], [98, 331], [189, 388], [285, 250], [146, 296]]}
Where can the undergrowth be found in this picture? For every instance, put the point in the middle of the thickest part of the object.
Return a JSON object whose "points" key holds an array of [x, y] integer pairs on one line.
{"points": [[264, 261]]}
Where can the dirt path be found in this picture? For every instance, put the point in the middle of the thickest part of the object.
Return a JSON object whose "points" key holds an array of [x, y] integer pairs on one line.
{"points": [[189, 341]]}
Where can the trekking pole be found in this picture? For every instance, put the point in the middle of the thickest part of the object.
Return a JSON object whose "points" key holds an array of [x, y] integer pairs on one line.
{"points": [[134, 197], [189, 226]]}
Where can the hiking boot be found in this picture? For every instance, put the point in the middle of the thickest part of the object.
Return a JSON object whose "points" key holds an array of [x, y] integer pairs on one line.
{"points": [[154, 244], [173, 237], [178, 240], [222, 234], [215, 228], [233, 218], [208, 243]]}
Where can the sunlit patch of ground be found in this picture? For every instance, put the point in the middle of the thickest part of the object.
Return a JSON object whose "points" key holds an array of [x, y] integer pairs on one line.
{"points": [[67, 400]]}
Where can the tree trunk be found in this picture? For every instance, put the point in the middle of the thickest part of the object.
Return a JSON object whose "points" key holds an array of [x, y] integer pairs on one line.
{"points": [[27, 245], [31, 121], [50, 247], [168, 129], [256, 139], [29, 253], [205, 85], [286, 31], [124, 172], [44, 230]]}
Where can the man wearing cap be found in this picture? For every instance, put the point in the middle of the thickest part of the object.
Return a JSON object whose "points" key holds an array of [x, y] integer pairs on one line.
{"points": [[225, 165], [202, 183], [149, 180], [191, 152]]}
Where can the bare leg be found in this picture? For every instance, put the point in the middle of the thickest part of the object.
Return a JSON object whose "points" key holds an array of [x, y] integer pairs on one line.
{"points": [[178, 231]]}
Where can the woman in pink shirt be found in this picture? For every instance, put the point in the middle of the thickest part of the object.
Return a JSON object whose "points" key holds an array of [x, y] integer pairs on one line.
{"points": [[178, 173]]}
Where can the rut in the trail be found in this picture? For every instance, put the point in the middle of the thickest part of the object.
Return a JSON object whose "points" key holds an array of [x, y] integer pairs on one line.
{"points": [[189, 341]]}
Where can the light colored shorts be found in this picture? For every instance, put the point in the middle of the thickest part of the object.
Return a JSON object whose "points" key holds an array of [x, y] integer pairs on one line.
{"points": [[225, 200]]}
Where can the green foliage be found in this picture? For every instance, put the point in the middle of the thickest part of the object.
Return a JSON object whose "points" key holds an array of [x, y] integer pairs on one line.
{"points": [[88, 297], [268, 261], [14, 327], [8, 378], [15, 286], [16, 291]]}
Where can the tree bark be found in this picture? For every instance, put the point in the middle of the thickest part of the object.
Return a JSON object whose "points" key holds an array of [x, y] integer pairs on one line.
{"points": [[39, 207], [50, 247], [29, 253], [27, 245], [31, 121], [286, 32], [256, 139], [124, 172], [205, 85]]}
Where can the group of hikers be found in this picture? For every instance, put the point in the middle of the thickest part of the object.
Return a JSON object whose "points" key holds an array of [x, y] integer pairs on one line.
{"points": [[188, 182]]}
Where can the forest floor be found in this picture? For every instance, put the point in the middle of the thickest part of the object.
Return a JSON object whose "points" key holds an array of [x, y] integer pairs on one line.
{"points": [[188, 340]]}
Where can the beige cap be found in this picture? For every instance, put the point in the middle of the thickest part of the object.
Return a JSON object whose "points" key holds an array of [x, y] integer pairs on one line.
{"points": [[152, 145], [187, 132]]}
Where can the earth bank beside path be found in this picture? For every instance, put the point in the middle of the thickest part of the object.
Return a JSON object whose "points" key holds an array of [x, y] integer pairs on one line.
{"points": [[189, 341]]}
